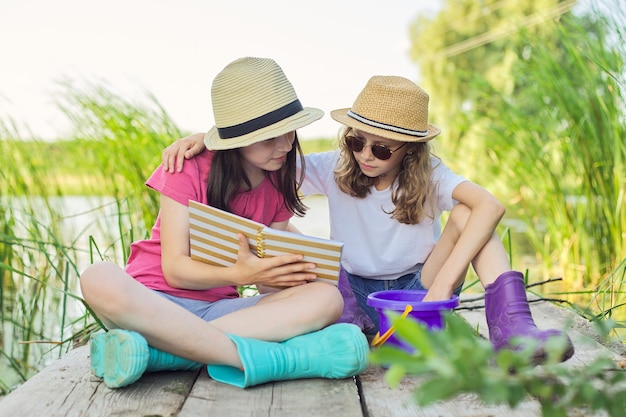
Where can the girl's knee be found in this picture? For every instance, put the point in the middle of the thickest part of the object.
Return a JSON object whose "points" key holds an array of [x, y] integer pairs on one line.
{"points": [[93, 277], [326, 296], [100, 285], [459, 214]]}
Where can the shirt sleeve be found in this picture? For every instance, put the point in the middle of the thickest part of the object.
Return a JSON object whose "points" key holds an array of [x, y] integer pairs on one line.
{"points": [[446, 181], [319, 172], [185, 185]]}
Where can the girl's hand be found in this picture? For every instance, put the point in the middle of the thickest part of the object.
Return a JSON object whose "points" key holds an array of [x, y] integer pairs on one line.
{"points": [[438, 293], [277, 271], [174, 155]]}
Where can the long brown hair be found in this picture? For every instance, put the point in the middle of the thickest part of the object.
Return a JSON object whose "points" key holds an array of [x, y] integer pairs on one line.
{"points": [[413, 191], [228, 178]]}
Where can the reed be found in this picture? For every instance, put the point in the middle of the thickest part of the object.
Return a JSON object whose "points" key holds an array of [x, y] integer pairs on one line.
{"points": [[555, 147], [118, 144], [122, 139], [37, 269]]}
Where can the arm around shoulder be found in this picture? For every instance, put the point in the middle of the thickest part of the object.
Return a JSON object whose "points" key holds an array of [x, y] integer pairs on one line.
{"points": [[173, 157]]}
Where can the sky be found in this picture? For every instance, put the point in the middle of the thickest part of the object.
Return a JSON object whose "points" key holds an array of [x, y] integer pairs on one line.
{"points": [[174, 48]]}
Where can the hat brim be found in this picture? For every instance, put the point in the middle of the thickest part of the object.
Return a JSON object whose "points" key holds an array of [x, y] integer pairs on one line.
{"points": [[303, 118], [341, 115]]}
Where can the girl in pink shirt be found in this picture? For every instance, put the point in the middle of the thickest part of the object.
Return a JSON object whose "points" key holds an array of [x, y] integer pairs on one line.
{"points": [[166, 311]]}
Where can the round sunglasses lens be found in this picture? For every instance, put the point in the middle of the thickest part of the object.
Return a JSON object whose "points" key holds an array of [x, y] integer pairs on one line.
{"points": [[354, 144], [381, 152]]}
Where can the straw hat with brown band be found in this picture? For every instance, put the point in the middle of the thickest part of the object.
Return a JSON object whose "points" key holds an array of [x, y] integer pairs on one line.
{"points": [[254, 101], [392, 107]]}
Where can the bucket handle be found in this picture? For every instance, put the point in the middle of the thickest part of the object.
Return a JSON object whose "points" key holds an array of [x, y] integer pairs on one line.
{"points": [[379, 340]]}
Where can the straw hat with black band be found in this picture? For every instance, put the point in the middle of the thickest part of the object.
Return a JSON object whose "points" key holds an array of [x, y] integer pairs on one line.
{"points": [[392, 107], [254, 101]]}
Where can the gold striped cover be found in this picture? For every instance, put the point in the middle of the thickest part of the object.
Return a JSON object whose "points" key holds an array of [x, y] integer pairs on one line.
{"points": [[213, 239]]}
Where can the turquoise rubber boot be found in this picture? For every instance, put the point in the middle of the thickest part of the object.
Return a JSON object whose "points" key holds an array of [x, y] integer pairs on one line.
{"points": [[121, 357], [96, 353], [337, 351]]}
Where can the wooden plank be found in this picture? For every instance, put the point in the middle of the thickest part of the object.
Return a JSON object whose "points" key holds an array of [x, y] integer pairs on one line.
{"points": [[382, 401], [67, 388], [305, 397]]}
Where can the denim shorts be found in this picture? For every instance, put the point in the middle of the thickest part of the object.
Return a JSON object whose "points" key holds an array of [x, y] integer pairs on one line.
{"points": [[362, 287], [212, 310]]}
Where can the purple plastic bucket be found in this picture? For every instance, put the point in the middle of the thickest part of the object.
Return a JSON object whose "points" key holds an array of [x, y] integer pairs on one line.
{"points": [[430, 312]]}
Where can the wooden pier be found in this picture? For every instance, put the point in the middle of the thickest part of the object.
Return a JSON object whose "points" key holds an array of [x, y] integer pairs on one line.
{"points": [[67, 388]]}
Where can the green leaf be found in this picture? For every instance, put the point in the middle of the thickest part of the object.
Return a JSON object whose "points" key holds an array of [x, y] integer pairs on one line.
{"points": [[414, 334], [394, 375], [550, 410], [434, 390], [604, 327]]}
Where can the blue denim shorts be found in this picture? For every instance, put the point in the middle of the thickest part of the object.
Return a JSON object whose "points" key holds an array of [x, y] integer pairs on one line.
{"points": [[212, 310], [362, 287]]}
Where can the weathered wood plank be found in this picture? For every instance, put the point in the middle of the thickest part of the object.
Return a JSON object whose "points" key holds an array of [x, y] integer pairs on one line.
{"points": [[306, 397], [67, 388], [382, 401]]}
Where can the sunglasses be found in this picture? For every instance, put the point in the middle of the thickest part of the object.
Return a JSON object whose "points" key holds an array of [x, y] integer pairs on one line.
{"points": [[382, 152]]}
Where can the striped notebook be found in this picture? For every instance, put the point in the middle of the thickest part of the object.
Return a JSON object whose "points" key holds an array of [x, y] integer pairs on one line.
{"points": [[213, 239]]}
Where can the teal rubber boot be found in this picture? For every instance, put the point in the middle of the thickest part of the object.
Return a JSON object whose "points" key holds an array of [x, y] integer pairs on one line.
{"points": [[96, 352], [121, 357], [335, 352]]}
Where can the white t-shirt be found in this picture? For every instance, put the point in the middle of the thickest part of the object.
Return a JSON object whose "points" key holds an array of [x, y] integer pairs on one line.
{"points": [[377, 246]]}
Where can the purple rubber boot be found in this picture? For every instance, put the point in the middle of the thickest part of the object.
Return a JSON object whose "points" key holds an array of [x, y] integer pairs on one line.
{"points": [[352, 313], [508, 316]]}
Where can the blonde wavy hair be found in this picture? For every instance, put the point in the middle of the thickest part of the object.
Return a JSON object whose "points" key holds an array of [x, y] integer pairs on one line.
{"points": [[413, 192]]}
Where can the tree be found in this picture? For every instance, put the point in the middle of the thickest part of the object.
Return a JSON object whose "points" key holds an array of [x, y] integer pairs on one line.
{"points": [[540, 109], [473, 41]]}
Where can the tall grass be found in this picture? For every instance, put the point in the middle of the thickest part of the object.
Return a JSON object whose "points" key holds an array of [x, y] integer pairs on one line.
{"points": [[37, 270], [551, 143], [124, 140], [118, 144], [559, 146], [555, 148]]}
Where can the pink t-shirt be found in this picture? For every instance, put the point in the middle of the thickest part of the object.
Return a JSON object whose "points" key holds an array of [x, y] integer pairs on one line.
{"points": [[263, 204]]}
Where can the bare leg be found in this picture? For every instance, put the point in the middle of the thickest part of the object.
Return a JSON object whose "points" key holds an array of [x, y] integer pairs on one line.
{"points": [[122, 302], [488, 262], [285, 314]]}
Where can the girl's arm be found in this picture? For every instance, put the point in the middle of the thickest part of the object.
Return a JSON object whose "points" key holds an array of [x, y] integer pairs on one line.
{"points": [[174, 155], [450, 264], [181, 271]]}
